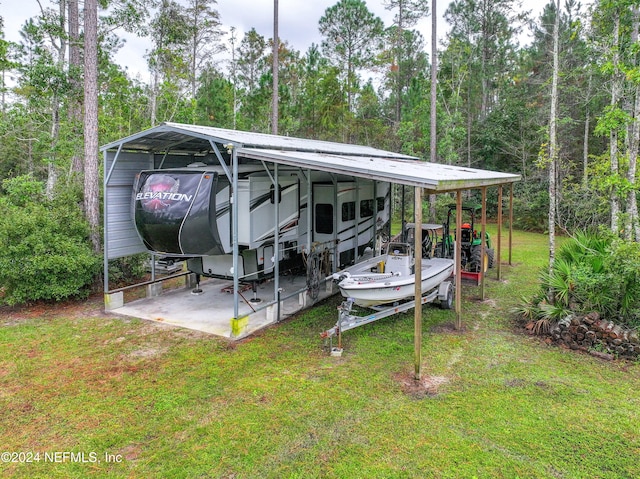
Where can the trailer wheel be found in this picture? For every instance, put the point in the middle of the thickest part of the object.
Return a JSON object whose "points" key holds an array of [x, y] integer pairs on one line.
{"points": [[447, 301]]}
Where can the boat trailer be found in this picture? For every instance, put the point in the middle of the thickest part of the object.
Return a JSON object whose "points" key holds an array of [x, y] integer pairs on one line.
{"points": [[347, 320]]}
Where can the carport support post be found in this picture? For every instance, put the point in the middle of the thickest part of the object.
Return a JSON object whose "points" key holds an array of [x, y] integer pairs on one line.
{"points": [[483, 275], [458, 257], [309, 211], [336, 256], [402, 213], [417, 312], [510, 224], [276, 240], [499, 247], [105, 257], [357, 225], [234, 231]]}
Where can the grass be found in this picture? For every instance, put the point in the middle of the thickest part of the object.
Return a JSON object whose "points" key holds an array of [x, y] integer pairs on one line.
{"points": [[164, 402]]}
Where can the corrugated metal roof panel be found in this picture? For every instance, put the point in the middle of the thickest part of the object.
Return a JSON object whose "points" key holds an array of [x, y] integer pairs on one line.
{"points": [[196, 138], [432, 176]]}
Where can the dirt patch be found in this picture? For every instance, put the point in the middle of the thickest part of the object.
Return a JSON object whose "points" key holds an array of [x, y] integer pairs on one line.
{"points": [[515, 383], [490, 302], [93, 306], [146, 353], [448, 328], [427, 386]]}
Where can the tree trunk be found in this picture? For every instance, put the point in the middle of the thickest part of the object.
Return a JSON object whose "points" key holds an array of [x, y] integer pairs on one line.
{"points": [[154, 96], [553, 153], [91, 191], [52, 169], [613, 136], [434, 86], [585, 152], [398, 75], [585, 144], [75, 65], [433, 154], [633, 228], [276, 64]]}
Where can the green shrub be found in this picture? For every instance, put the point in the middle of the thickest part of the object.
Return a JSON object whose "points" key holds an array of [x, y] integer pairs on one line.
{"points": [[22, 190], [623, 277], [45, 254], [128, 268], [531, 205], [592, 272]]}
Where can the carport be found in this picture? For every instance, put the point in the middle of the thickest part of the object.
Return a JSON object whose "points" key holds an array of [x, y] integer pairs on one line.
{"points": [[177, 145]]}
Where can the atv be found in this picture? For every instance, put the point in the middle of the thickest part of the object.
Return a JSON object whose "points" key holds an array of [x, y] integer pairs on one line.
{"points": [[470, 240]]}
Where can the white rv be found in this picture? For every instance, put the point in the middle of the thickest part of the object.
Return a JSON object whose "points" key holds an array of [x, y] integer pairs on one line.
{"points": [[185, 213]]}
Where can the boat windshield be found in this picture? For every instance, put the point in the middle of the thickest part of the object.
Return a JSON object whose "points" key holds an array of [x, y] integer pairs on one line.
{"points": [[399, 249]]}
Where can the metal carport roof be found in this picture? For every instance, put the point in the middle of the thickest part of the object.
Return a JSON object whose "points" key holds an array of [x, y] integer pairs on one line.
{"points": [[431, 176], [341, 158], [195, 139]]}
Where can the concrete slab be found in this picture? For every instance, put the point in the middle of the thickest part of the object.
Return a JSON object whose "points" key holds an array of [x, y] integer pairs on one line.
{"points": [[212, 310]]}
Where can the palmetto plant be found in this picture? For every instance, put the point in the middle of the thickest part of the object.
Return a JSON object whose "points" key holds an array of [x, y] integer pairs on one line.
{"points": [[587, 248], [560, 281], [593, 271]]}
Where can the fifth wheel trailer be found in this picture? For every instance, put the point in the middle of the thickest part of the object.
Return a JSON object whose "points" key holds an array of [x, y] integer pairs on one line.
{"points": [[185, 213]]}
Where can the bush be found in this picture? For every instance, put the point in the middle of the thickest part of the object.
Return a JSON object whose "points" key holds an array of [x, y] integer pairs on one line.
{"points": [[623, 279], [592, 272], [45, 254], [531, 205], [129, 268]]}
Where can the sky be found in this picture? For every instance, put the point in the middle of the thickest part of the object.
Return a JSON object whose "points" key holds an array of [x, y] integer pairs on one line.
{"points": [[298, 23]]}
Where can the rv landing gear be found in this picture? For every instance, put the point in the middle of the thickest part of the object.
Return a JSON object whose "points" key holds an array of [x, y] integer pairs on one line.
{"points": [[254, 287], [197, 289]]}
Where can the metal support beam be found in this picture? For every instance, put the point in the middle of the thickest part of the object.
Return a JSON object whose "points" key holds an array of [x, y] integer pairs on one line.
{"points": [[357, 221], [105, 213], [402, 213], [375, 216], [164, 157], [107, 177], [336, 256], [417, 313], [233, 201], [276, 241], [458, 255], [309, 211], [215, 149]]}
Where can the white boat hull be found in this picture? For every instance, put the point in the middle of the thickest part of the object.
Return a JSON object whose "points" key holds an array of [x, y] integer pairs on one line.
{"points": [[368, 288]]}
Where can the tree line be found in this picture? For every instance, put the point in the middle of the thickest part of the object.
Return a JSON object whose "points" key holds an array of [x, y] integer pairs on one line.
{"points": [[367, 82]]}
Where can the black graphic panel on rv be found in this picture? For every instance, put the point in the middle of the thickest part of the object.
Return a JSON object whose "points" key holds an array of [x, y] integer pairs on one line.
{"points": [[175, 212]]}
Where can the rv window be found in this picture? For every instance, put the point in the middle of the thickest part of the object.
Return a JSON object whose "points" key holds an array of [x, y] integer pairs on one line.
{"points": [[349, 211], [324, 218], [366, 208], [380, 203]]}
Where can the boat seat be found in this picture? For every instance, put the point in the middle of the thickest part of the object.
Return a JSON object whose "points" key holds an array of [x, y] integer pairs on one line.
{"points": [[399, 260]]}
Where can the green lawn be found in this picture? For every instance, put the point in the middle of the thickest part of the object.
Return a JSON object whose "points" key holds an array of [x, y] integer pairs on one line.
{"points": [[165, 402]]}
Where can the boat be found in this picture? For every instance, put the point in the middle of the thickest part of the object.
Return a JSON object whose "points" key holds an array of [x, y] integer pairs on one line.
{"points": [[390, 277]]}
